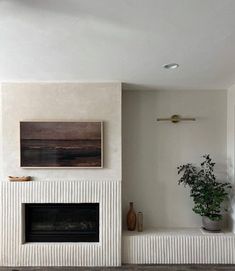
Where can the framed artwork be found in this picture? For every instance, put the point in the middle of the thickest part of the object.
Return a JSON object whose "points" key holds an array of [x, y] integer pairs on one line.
{"points": [[50, 144]]}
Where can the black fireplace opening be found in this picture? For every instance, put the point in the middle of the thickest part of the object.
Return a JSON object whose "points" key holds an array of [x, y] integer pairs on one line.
{"points": [[62, 222]]}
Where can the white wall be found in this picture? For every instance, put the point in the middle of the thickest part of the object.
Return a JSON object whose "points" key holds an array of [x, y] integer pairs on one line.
{"points": [[152, 150], [231, 147], [53, 101]]}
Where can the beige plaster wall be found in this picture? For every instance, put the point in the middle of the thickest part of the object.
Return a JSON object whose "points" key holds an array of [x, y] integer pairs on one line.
{"points": [[61, 101]]}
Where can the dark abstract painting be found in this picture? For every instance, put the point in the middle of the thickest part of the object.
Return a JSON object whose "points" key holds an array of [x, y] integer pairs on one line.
{"points": [[61, 144]]}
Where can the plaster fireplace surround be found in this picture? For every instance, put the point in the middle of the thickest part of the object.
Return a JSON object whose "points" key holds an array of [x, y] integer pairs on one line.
{"points": [[77, 102], [101, 187], [15, 252]]}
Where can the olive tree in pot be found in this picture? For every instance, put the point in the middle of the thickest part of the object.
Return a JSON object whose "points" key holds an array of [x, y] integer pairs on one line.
{"points": [[208, 194]]}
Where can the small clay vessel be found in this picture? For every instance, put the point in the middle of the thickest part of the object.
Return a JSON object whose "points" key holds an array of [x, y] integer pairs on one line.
{"points": [[131, 218], [140, 221]]}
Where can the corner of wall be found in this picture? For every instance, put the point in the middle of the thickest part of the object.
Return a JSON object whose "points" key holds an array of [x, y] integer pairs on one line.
{"points": [[1, 160], [1, 146], [231, 150]]}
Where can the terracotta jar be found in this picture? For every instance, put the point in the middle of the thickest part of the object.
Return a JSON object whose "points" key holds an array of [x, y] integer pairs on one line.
{"points": [[131, 218]]}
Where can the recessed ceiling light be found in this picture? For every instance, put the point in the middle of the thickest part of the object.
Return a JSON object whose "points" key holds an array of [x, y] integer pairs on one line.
{"points": [[171, 66]]}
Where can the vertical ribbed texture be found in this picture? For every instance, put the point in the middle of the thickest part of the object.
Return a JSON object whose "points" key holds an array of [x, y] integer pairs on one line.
{"points": [[105, 253], [178, 249]]}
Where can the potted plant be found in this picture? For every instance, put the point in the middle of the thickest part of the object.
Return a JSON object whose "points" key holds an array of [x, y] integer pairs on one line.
{"points": [[208, 194]]}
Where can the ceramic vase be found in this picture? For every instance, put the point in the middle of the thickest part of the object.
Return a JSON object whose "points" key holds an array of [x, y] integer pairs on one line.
{"points": [[140, 221], [131, 218]]}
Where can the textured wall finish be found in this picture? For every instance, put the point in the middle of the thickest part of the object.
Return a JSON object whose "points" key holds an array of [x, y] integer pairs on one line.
{"points": [[105, 253], [68, 102], [178, 247], [58, 102]]}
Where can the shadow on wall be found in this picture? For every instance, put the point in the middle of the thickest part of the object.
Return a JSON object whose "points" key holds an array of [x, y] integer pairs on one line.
{"points": [[231, 215]]}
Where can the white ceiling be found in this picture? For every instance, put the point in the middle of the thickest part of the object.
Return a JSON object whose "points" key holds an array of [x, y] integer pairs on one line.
{"points": [[119, 40]]}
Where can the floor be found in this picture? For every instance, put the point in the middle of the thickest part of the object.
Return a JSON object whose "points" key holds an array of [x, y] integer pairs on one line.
{"points": [[130, 267]]}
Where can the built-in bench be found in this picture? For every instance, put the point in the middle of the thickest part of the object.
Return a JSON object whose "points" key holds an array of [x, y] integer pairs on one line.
{"points": [[178, 246]]}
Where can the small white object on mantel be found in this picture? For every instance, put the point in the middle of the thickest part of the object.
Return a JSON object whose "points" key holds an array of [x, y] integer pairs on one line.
{"points": [[178, 246]]}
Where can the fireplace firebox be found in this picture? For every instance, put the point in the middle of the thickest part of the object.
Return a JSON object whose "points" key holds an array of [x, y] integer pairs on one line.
{"points": [[62, 222]]}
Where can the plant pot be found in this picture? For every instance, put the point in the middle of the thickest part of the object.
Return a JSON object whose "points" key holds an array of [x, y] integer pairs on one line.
{"points": [[211, 225]]}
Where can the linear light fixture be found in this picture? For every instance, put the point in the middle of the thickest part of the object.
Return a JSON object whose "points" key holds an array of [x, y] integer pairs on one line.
{"points": [[176, 119]]}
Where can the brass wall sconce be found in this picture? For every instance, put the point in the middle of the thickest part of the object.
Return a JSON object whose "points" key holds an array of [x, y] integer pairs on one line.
{"points": [[176, 119]]}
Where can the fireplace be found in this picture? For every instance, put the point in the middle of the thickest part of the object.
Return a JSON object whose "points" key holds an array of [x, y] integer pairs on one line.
{"points": [[62, 222]]}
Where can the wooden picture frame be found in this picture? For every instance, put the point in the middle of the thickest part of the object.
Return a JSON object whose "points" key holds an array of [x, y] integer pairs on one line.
{"points": [[61, 144]]}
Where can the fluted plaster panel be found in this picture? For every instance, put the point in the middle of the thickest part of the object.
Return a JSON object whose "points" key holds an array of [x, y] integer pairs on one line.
{"points": [[178, 246], [13, 250]]}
